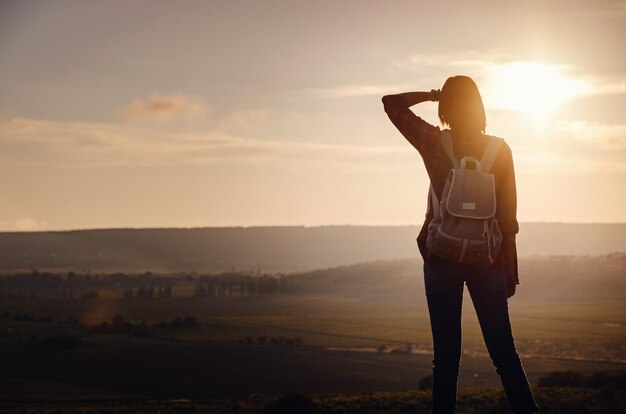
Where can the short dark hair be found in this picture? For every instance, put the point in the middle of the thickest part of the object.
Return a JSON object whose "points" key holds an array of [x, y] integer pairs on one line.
{"points": [[460, 105]]}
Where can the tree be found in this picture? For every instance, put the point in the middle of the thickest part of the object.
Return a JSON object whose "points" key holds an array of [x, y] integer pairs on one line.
{"points": [[200, 290]]}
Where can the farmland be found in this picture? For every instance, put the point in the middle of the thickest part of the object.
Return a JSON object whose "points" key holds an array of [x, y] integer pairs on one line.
{"points": [[351, 329]]}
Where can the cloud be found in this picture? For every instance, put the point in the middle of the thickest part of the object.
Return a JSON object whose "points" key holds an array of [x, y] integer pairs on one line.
{"points": [[554, 162], [346, 91], [164, 108], [243, 120], [576, 148], [426, 62], [569, 147], [602, 137], [33, 142], [505, 82]]}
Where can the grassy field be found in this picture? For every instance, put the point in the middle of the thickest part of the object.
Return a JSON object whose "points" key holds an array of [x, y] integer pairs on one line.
{"points": [[347, 350], [589, 331], [333, 331]]}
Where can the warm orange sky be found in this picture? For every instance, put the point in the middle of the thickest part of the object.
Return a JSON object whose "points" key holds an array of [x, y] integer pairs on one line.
{"points": [[221, 113]]}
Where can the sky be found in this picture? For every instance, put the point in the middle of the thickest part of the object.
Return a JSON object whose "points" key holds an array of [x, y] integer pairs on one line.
{"points": [[256, 113]]}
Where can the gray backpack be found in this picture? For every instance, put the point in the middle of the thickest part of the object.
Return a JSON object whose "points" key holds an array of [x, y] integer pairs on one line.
{"points": [[464, 228]]}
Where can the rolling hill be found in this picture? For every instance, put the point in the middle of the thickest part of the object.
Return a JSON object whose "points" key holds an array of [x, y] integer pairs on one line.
{"points": [[271, 249]]}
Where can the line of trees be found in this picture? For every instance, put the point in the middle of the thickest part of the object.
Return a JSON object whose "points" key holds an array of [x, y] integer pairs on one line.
{"points": [[243, 285], [274, 341], [143, 286], [148, 292]]}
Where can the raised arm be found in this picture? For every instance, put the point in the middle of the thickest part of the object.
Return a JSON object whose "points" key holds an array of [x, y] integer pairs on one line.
{"points": [[413, 128], [411, 98]]}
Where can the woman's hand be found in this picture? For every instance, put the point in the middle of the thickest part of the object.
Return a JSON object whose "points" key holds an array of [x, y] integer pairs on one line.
{"points": [[434, 95], [510, 288]]}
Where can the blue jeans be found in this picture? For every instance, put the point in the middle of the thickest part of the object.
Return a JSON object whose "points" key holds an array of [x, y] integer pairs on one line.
{"points": [[444, 282]]}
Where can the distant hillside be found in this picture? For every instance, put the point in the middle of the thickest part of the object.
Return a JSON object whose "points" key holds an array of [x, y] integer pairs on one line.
{"points": [[554, 278], [287, 249]]}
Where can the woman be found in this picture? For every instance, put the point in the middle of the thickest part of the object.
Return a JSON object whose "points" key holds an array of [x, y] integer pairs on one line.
{"points": [[461, 108]]}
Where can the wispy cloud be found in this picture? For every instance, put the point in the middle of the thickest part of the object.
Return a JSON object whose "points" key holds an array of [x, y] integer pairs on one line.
{"points": [[224, 137], [78, 144], [554, 162], [246, 120], [507, 81], [346, 91], [450, 61], [576, 148], [603, 137], [164, 108]]}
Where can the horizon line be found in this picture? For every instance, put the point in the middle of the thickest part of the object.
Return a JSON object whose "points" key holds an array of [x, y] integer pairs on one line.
{"points": [[67, 230]]}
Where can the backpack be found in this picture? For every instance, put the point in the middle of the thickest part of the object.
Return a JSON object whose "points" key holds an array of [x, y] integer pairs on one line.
{"points": [[464, 228]]}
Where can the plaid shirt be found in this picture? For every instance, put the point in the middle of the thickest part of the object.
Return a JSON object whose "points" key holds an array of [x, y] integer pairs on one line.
{"points": [[426, 139]]}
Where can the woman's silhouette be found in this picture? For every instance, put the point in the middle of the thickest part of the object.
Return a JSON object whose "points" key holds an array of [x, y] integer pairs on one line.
{"points": [[461, 108]]}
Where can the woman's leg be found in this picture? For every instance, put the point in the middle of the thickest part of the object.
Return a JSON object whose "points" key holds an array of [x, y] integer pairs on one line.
{"points": [[444, 294], [488, 291]]}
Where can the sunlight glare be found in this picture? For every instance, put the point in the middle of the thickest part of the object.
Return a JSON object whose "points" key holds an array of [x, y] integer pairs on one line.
{"points": [[533, 88]]}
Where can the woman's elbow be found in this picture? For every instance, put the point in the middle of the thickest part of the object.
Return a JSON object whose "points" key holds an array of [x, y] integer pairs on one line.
{"points": [[389, 102]]}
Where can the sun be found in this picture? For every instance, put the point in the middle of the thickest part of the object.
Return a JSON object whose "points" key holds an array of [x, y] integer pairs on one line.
{"points": [[533, 88]]}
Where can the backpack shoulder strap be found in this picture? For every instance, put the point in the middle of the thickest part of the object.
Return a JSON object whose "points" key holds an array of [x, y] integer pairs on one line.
{"points": [[489, 156], [446, 143]]}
